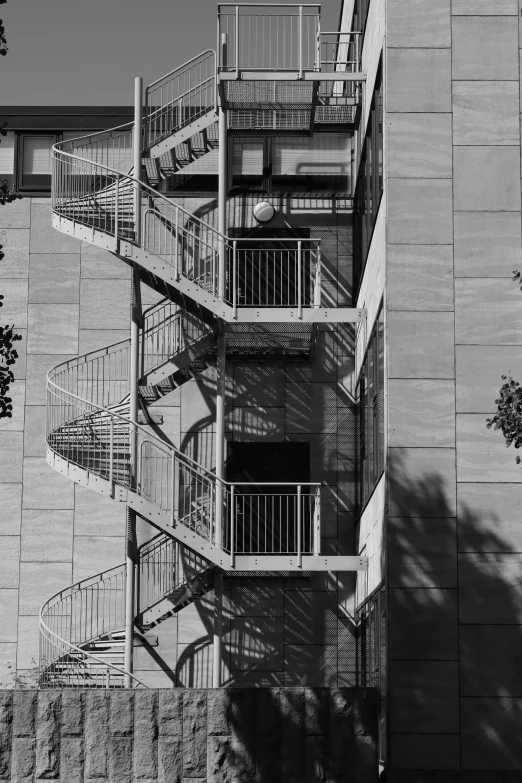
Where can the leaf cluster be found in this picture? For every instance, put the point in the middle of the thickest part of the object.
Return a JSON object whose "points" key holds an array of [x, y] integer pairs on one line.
{"points": [[6, 194], [508, 417], [8, 356], [3, 39]]}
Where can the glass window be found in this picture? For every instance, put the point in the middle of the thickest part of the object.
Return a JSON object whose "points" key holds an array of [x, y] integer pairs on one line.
{"points": [[368, 191], [36, 168], [7, 147], [371, 415]]}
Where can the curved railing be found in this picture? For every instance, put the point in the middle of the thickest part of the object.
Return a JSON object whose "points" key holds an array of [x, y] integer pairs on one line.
{"points": [[180, 97], [88, 427], [93, 611], [76, 616], [276, 272]]}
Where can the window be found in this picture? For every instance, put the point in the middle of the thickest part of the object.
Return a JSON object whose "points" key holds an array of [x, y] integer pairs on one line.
{"points": [[293, 163], [370, 179], [7, 147], [247, 163], [36, 162], [371, 415]]}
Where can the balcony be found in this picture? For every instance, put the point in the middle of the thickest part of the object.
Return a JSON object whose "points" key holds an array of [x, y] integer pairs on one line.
{"points": [[278, 71]]}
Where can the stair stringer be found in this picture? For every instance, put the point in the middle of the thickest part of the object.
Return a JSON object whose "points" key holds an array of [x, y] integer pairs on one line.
{"points": [[180, 361], [196, 126]]}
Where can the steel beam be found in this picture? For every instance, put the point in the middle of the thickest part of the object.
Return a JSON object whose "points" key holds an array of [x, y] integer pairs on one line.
{"points": [[291, 76]]}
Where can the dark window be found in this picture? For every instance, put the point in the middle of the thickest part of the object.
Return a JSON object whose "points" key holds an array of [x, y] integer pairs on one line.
{"points": [[370, 180], [35, 161], [265, 518], [277, 462], [371, 415]]}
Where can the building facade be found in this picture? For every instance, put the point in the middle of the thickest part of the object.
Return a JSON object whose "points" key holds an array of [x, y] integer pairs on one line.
{"points": [[390, 156]]}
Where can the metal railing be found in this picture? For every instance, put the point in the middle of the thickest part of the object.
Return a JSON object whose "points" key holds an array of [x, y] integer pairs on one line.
{"points": [[90, 428], [164, 567], [272, 37], [167, 332], [371, 649], [111, 148], [76, 616], [274, 272], [91, 614], [371, 620], [287, 521], [340, 52], [179, 98]]}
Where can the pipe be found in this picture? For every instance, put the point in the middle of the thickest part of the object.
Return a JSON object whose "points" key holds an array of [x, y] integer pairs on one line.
{"points": [[137, 149]]}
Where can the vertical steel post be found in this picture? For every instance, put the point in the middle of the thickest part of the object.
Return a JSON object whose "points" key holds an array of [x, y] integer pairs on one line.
{"points": [[232, 526], [299, 522], [237, 42], [221, 369], [220, 505], [299, 280], [137, 145], [136, 317], [222, 187], [300, 46], [218, 613]]}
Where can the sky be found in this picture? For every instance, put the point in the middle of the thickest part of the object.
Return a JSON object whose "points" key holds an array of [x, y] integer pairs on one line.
{"points": [[87, 52]]}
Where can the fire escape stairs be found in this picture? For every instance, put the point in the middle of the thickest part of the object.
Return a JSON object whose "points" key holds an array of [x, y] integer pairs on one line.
{"points": [[90, 436]]}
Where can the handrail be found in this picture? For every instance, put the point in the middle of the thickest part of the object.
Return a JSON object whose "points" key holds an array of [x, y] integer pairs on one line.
{"points": [[68, 646], [174, 95], [188, 62], [187, 244]]}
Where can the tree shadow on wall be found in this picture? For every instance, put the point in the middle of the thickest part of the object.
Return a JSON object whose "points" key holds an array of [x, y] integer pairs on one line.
{"points": [[455, 614]]}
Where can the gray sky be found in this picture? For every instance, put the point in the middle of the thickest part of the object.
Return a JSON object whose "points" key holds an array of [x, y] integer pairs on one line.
{"points": [[87, 52]]}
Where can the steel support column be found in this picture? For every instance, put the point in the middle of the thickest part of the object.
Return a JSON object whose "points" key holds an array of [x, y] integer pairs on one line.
{"points": [[222, 202], [220, 497], [137, 146], [221, 371], [136, 320], [218, 628]]}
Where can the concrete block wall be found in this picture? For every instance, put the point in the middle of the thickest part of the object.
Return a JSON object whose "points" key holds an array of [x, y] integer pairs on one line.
{"points": [[452, 167], [177, 736]]}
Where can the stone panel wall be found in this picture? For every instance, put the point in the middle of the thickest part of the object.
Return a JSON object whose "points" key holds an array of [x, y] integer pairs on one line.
{"points": [[175, 736], [452, 164]]}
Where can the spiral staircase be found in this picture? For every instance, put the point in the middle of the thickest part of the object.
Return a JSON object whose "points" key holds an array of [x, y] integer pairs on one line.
{"points": [[263, 289]]}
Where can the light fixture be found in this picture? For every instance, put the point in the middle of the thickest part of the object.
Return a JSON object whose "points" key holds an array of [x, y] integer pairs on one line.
{"points": [[264, 211]]}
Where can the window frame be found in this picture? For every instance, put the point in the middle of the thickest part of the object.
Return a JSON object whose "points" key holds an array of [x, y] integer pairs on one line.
{"points": [[370, 395], [19, 162], [370, 179]]}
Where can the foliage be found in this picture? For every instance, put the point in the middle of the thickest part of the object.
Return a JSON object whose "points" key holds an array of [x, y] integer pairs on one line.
{"points": [[7, 195], [8, 356], [3, 39], [508, 417]]}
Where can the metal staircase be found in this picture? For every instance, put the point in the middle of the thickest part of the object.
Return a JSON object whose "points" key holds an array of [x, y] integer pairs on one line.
{"points": [[82, 628], [265, 292]]}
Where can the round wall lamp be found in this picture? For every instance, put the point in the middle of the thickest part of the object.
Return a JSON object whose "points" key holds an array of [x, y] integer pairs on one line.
{"points": [[264, 211]]}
